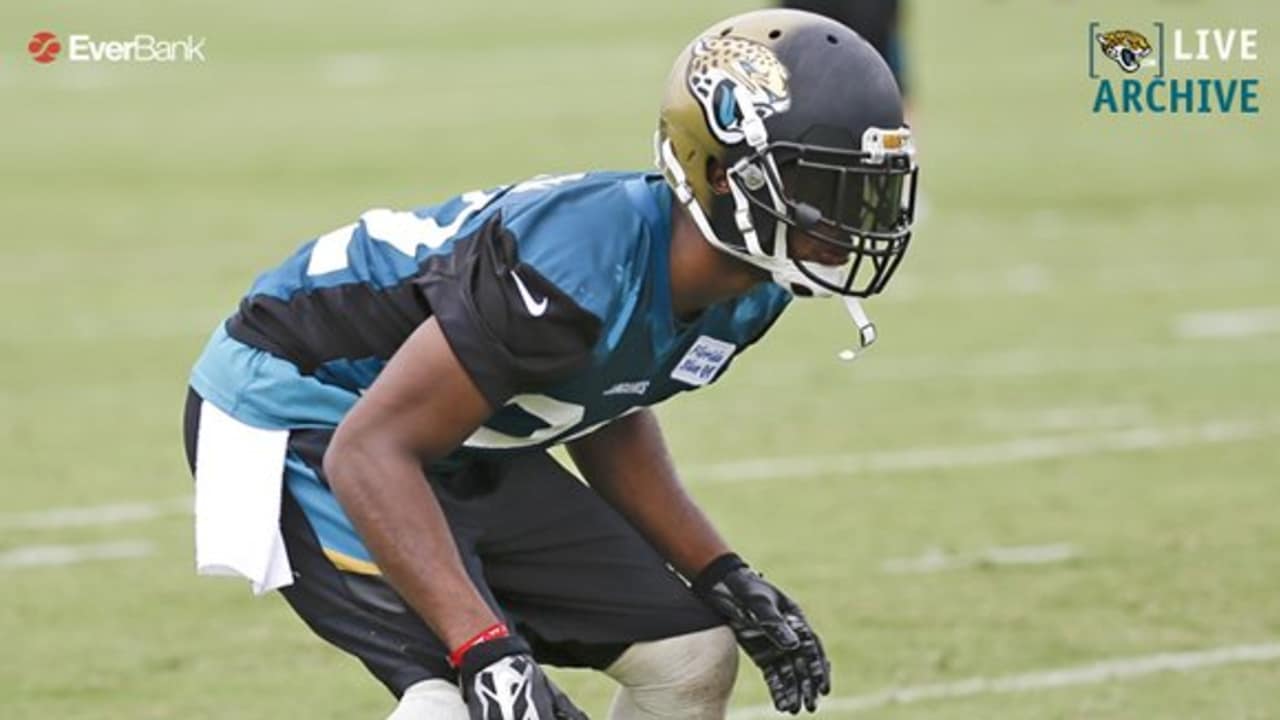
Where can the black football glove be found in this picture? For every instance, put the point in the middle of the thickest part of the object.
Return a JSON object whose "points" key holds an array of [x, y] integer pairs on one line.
{"points": [[501, 681], [772, 631]]}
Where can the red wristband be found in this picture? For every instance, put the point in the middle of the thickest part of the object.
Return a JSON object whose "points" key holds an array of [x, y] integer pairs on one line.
{"points": [[493, 632]]}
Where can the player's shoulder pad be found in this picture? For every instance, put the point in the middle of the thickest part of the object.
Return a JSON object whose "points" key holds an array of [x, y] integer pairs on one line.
{"points": [[512, 328], [588, 237], [764, 301], [757, 311]]}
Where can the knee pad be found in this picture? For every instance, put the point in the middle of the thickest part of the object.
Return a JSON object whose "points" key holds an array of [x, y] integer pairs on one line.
{"points": [[431, 700], [687, 676]]}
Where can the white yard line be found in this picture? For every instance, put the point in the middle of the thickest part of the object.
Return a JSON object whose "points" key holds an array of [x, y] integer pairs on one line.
{"points": [[352, 70], [52, 555], [89, 515], [1064, 361], [1246, 322], [1033, 278], [1029, 449], [89, 77], [935, 560], [1099, 672], [1062, 418]]}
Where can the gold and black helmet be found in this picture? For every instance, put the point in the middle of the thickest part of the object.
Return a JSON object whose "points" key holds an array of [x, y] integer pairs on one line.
{"points": [[806, 120]]}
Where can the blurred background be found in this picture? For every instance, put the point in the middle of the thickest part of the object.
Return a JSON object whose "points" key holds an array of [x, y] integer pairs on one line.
{"points": [[1063, 451]]}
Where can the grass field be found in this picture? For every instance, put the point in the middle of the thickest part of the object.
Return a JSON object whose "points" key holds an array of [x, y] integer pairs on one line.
{"points": [[1042, 377]]}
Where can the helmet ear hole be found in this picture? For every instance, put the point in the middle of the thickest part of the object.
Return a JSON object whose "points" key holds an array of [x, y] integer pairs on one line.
{"points": [[717, 177]]}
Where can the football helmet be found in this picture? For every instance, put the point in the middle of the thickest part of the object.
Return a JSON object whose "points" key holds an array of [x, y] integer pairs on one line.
{"points": [[806, 121]]}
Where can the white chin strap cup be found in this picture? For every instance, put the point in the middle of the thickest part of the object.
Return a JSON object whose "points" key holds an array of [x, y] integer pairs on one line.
{"points": [[866, 329]]}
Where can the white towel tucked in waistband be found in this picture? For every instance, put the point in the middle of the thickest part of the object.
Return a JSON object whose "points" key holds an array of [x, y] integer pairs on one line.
{"points": [[239, 478]]}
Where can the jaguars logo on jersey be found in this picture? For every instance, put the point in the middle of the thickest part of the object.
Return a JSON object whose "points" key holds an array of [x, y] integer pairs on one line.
{"points": [[729, 72], [1126, 47]]}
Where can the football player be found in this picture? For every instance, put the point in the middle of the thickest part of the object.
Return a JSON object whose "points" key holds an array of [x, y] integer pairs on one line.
{"points": [[368, 431]]}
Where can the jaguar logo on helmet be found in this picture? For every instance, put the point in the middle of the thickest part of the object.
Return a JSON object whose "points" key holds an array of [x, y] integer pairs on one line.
{"points": [[731, 75]]}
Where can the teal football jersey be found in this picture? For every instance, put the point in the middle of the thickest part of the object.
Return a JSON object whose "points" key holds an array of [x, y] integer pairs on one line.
{"points": [[554, 294]]}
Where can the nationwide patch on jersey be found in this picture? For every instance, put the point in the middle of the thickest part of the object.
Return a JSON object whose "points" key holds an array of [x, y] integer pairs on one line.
{"points": [[700, 365]]}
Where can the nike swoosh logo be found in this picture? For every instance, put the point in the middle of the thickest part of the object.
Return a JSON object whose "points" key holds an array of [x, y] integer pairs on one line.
{"points": [[535, 307]]}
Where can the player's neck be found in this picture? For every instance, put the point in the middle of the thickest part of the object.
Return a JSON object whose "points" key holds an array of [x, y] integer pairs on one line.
{"points": [[701, 275]]}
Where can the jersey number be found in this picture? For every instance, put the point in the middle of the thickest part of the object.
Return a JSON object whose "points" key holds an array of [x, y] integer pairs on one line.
{"points": [[559, 416], [406, 232]]}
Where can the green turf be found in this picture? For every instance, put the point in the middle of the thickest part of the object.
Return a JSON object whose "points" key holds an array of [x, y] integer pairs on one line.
{"points": [[1056, 250]]}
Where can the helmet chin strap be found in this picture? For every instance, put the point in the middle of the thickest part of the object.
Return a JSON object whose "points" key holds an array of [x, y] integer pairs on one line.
{"points": [[866, 329], [667, 160], [781, 268]]}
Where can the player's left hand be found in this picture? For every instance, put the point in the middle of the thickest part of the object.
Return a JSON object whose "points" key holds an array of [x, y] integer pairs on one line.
{"points": [[772, 631]]}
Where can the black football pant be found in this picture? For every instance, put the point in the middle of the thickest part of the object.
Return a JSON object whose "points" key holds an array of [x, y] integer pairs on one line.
{"points": [[565, 570]]}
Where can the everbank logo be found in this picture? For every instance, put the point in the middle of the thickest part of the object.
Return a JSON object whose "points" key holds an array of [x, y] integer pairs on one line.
{"points": [[44, 47]]}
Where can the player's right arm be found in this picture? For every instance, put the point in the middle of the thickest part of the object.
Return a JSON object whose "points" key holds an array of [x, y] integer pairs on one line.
{"points": [[421, 407], [482, 344], [497, 328]]}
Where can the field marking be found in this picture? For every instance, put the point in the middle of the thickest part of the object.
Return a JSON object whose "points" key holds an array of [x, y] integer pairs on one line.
{"points": [[1063, 418], [1032, 363], [1028, 449], [351, 70], [90, 515], [935, 560], [1245, 322], [1036, 278], [89, 77], [1099, 672], [56, 555]]}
